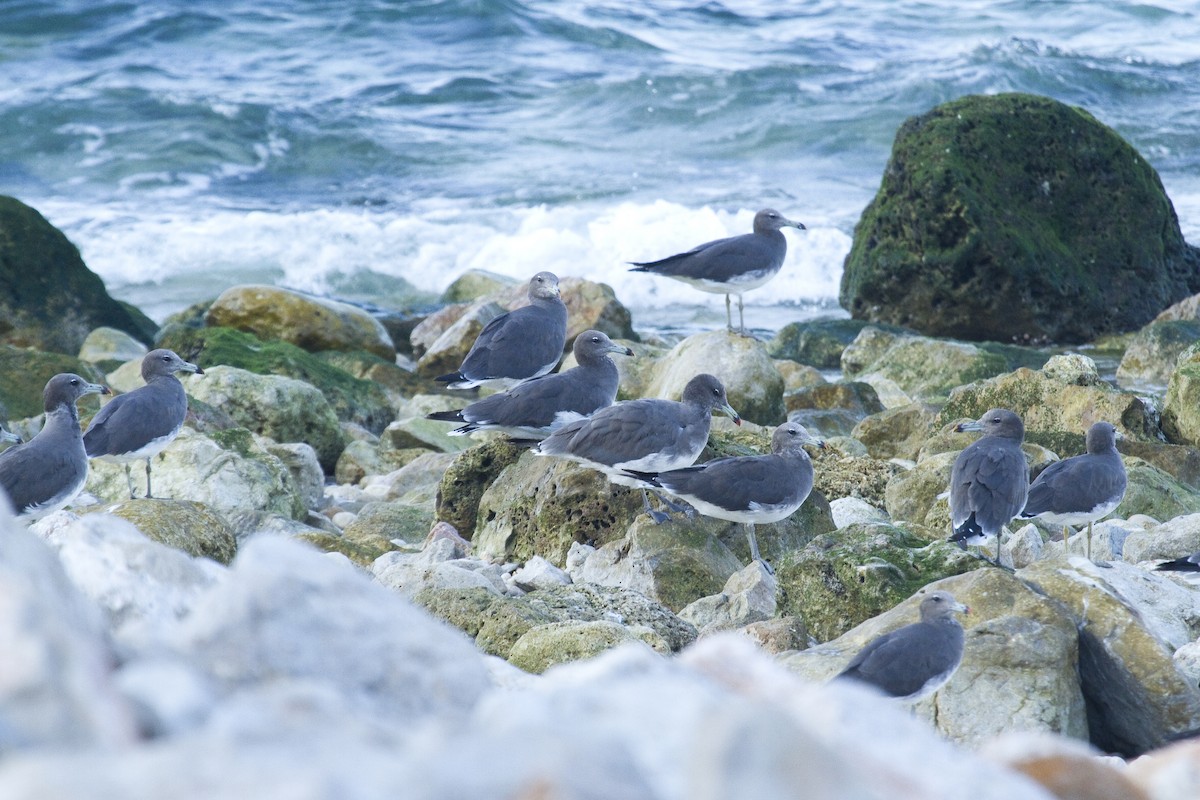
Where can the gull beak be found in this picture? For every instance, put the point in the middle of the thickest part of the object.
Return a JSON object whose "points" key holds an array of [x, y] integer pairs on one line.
{"points": [[728, 411], [974, 425]]}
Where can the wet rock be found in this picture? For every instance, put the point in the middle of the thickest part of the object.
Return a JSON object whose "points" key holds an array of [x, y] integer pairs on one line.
{"points": [[1180, 417], [988, 226], [925, 368], [468, 476], [1151, 353], [307, 321], [817, 343], [52, 300]]}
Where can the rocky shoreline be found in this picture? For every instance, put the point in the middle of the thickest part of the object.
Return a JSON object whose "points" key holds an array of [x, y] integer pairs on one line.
{"points": [[341, 599]]}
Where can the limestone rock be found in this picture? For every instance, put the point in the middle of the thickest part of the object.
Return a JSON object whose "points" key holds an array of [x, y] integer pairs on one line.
{"points": [[988, 226], [108, 348], [1150, 355], [25, 374], [543, 646], [284, 409], [926, 368], [1019, 660], [415, 483], [379, 656], [748, 596], [476, 283], [313, 323], [142, 586], [752, 383], [1056, 414], [540, 505], [1180, 418], [183, 524], [849, 511], [228, 472], [52, 300], [389, 521], [1156, 494], [445, 354], [840, 580], [56, 690], [896, 432], [1168, 773], [832, 409], [1175, 538], [468, 476], [1136, 697]]}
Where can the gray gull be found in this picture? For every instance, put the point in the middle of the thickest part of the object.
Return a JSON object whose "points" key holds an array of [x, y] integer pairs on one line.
{"points": [[990, 479], [733, 265]]}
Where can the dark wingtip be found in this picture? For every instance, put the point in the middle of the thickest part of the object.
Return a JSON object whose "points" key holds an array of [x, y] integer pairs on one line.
{"points": [[450, 377]]}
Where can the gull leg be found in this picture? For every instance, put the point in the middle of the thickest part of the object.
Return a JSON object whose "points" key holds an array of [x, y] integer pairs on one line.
{"points": [[148, 495], [728, 314], [754, 554], [658, 516], [129, 481], [741, 317], [678, 508]]}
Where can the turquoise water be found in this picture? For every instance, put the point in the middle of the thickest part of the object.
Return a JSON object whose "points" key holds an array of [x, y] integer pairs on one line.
{"points": [[333, 145]]}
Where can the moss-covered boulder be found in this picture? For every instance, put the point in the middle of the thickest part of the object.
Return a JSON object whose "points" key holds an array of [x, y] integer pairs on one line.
{"points": [[752, 383], [183, 524], [832, 409], [51, 300], [379, 522], [540, 506], [896, 432], [25, 374], [476, 283], [1016, 216], [497, 622], [1152, 352], [837, 475], [926, 368], [463, 484], [352, 399], [843, 579], [542, 647], [1181, 406], [398, 383], [1155, 493], [313, 323]]}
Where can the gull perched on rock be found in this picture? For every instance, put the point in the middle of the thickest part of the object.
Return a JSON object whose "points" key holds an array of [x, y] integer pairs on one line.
{"points": [[1082, 488], [47, 472], [990, 479], [140, 424], [525, 343], [913, 662], [733, 265], [647, 435], [747, 489], [538, 407]]}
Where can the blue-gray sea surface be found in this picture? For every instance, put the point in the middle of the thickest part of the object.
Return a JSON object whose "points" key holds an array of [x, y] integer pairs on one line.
{"points": [[330, 146]]}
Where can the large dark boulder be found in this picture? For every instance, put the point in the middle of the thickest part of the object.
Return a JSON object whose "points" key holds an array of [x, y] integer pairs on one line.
{"points": [[50, 299], [1016, 217]]}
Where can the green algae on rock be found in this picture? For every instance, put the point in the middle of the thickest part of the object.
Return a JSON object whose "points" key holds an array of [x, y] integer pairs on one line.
{"points": [[25, 374], [839, 580], [1016, 216], [465, 481], [183, 524], [352, 399]]}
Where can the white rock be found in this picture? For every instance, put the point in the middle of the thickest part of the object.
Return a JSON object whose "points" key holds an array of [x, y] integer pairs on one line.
{"points": [[852, 510], [748, 596], [537, 573], [55, 683]]}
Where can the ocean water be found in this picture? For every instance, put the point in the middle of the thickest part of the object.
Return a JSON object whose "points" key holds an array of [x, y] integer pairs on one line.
{"points": [[335, 146]]}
